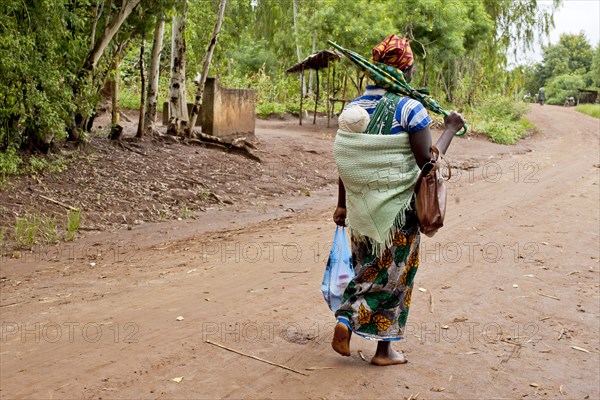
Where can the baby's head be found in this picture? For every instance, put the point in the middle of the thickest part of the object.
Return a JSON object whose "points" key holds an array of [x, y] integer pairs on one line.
{"points": [[354, 119]]}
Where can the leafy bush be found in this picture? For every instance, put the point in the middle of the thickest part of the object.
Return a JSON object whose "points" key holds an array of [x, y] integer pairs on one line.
{"points": [[266, 109], [502, 108], [563, 86], [10, 162], [506, 132], [253, 56], [37, 164], [501, 120]]}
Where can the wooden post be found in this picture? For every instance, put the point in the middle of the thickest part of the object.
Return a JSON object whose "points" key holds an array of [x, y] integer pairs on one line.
{"points": [[316, 99], [301, 93]]}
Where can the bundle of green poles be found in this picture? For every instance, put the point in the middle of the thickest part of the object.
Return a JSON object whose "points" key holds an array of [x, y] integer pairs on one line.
{"points": [[393, 80]]}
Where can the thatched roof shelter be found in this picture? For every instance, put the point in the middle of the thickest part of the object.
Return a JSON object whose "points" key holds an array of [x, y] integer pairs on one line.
{"points": [[316, 61]]}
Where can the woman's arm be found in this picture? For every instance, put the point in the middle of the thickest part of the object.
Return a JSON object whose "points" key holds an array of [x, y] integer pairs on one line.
{"points": [[339, 215], [420, 141]]}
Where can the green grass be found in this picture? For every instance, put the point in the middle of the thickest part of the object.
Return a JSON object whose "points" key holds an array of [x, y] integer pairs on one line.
{"points": [[129, 98], [73, 221], [185, 212], [27, 229], [49, 231], [30, 229], [592, 110]]}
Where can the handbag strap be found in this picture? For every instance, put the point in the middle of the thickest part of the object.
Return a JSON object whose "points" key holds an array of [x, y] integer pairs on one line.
{"points": [[436, 155], [432, 166]]}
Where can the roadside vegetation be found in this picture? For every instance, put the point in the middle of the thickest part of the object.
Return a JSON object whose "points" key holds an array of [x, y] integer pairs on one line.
{"points": [[593, 110]]}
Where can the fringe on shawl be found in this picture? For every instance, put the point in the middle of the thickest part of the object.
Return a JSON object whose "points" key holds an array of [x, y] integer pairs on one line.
{"points": [[379, 248]]}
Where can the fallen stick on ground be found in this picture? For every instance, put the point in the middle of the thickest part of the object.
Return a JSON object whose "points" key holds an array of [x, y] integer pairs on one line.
{"points": [[13, 304], [415, 396], [59, 203], [509, 342], [294, 272], [547, 295], [580, 349], [255, 358], [430, 302]]}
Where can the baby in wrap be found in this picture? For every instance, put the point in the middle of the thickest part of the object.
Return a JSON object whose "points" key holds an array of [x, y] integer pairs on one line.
{"points": [[354, 119]]}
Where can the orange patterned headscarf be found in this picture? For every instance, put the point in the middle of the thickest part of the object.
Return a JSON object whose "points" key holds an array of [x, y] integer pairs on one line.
{"points": [[394, 51]]}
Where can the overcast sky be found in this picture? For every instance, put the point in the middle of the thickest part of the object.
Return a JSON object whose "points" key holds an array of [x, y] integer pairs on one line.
{"points": [[573, 16]]}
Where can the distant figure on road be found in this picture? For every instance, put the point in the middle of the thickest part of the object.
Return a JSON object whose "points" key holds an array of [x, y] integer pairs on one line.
{"points": [[541, 96], [376, 192], [570, 102]]}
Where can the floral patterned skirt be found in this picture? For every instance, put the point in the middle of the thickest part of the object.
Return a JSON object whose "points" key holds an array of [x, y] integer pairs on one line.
{"points": [[376, 302]]}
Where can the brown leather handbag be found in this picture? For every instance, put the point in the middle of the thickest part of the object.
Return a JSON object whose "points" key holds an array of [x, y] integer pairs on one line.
{"points": [[430, 193]]}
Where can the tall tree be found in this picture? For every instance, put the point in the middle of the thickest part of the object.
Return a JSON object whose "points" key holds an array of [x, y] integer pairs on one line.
{"points": [[142, 116], [297, 42], [178, 114], [205, 68], [111, 28], [595, 68], [154, 75], [572, 54]]}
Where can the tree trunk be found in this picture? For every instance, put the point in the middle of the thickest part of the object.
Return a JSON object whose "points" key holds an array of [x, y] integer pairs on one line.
{"points": [[97, 14], [205, 67], [298, 52], [142, 119], [115, 88], [178, 118], [311, 73], [109, 32], [89, 64], [424, 79], [154, 74]]}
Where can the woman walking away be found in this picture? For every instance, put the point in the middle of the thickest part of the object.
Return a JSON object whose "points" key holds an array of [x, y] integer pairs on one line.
{"points": [[377, 175]]}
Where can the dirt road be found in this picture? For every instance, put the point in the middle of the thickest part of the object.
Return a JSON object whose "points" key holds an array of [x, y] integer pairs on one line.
{"points": [[507, 307]]}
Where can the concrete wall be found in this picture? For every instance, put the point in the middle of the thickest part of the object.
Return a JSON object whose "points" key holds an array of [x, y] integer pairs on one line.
{"points": [[228, 113], [225, 113]]}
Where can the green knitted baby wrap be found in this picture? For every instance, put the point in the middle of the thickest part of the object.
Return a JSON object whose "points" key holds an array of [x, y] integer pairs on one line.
{"points": [[379, 172]]}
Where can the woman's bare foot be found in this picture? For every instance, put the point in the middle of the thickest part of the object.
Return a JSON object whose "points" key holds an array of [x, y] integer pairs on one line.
{"points": [[341, 339], [386, 355]]}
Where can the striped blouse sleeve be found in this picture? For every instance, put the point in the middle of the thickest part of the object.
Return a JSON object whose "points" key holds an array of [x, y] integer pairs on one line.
{"points": [[411, 115]]}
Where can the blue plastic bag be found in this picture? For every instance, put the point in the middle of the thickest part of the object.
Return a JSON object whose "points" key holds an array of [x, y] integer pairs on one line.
{"points": [[339, 271]]}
